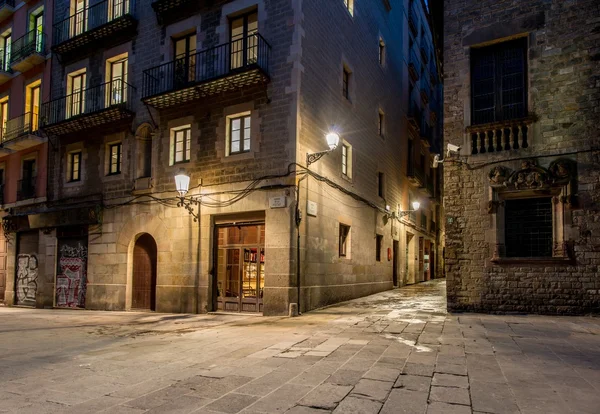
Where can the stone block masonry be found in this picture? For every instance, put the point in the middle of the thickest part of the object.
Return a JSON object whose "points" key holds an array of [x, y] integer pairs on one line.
{"points": [[563, 133]]}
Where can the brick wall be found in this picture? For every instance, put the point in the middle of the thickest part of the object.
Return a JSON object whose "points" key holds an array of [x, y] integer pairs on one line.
{"points": [[564, 92]]}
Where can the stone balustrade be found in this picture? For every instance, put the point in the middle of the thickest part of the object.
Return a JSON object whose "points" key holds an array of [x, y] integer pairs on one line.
{"points": [[500, 136]]}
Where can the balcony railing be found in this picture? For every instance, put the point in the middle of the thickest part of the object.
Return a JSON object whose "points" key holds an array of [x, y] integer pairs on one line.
{"points": [[415, 174], [425, 51], [7, 8], [413, 20], [103, 20], [500, 136], [425, 90], [6, 72], [26, 188], [414, 66], [101, 104], [22, 125], [28, 50], [228, 66], [414, 114], [169, 11]]}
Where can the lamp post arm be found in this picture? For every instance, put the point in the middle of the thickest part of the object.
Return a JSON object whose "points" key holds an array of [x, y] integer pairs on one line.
{"points": [[314, 157], [188, 204]]}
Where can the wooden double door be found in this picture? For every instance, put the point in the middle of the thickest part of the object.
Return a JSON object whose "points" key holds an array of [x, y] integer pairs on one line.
{"points": [[240, 264], [143, 290]]}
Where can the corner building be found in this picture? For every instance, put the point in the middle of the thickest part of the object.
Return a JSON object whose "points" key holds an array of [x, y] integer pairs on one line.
{"points": [[522, 196], [233, 94]]}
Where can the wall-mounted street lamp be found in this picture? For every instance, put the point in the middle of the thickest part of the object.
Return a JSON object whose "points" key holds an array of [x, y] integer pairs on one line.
{"points": [[333, 140], [415, 205], [182, 184]]}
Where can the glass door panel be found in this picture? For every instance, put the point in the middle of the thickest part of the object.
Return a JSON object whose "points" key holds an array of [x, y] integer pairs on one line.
{"points": [[34, 108], [76, 100], [79, 20], [118, 82]]}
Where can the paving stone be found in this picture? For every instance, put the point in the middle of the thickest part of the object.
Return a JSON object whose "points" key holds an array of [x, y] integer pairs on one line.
{"points": [[448, 380], [492, 397], [345, 377], [450, 395], [231, 403], [451, 369], [326, 396], [413, 383], [403, 401], [444, 408], [418, 369], [215, 389], [181, 405], [375, 390], [281, 399], [382, 374], [300, 409], [354, 405]]}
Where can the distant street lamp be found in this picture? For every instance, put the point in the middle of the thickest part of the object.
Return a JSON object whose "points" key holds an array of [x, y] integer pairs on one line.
{"points": [[333, 140], [182, 185], [415, 205]]}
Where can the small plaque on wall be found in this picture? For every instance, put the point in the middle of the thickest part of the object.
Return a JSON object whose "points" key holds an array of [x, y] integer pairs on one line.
{"points": [[277, 202], [311, 208]]}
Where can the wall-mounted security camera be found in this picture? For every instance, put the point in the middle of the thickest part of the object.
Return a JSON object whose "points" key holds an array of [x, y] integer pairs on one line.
{"points": [[451, 149]]}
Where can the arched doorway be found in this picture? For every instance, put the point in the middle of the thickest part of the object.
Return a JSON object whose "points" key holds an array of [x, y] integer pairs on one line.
{"points": [[143, 292]]}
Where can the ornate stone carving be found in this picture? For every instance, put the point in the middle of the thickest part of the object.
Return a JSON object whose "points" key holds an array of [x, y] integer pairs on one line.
{"points": [[498, 176], [529, 177], [562, 170]]}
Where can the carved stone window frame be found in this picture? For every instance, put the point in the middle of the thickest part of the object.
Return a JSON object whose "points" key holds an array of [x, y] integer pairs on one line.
{"points": [[532, 181]]}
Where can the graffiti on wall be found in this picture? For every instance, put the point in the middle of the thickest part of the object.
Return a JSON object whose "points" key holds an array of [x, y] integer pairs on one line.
{"points": [[27, 276], [71, 277]]}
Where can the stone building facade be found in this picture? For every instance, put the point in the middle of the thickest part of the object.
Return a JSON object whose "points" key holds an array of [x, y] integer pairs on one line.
{"points": [[234, 94], [522, 196], [25, 38]]}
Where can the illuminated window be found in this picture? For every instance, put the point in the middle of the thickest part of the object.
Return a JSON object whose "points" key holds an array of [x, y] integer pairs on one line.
{"points": [[239, 134], [115, 154], [75, 166], [181, 141], [349, 6]]}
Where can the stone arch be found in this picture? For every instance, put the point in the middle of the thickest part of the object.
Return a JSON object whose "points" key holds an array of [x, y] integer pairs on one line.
{"points": [[143, 150], [133, 229]]}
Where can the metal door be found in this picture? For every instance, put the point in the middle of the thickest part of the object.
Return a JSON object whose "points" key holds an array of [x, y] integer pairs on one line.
{"points": [[26, 282], [144, 273], [3, 246], [395, 263]]}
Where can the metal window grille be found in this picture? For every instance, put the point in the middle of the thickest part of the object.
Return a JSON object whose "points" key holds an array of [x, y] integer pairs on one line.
{"points": [[528, 227], [498, 82]]}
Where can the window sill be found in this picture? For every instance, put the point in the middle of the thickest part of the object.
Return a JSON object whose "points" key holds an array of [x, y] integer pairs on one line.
{"points": [[533, 260]]}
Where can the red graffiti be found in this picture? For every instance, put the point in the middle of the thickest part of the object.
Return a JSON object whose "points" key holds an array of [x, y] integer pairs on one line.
{"points": [[71, 282]]}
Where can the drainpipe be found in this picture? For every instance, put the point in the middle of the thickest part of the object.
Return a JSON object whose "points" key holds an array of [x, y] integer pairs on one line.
{"points": [[298, 221]]}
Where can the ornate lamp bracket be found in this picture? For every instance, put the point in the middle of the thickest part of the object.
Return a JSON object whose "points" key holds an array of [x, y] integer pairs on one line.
{"points": [[314, 157], [188, 203]]}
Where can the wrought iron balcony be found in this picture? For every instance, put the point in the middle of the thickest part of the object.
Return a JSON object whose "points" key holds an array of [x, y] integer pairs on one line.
{"points": [[26, 188], [415, 174], [169, 11], [425, 90], [425, 50], [7, 8], [6, 73], [413, 20], [28, 51], [414, 66], [88, 108], [100, 25], [506, 135], [21, 132], [229, 66], [414, 114]]}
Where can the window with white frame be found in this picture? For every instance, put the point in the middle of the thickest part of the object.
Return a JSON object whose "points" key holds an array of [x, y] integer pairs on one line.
{"points": [[239, 133], [181, 141], [346, 160]]}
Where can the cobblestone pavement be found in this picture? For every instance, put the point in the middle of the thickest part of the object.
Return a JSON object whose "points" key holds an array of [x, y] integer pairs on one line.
{"points": [[394, 352]]}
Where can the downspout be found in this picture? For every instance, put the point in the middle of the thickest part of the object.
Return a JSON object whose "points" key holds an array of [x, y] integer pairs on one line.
{"points": [[298, 221]]}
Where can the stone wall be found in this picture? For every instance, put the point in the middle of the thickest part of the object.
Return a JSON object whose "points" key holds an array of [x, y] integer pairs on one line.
{"points": [[564, 92]]}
